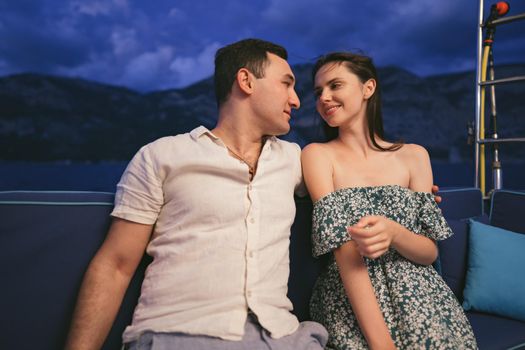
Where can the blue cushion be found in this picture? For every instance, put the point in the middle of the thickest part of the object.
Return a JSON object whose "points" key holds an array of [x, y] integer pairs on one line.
{"points": [[494, 281]]}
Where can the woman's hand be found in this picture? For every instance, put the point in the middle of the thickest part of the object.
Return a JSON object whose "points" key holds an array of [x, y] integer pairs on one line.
{"points": [[374, 235]]}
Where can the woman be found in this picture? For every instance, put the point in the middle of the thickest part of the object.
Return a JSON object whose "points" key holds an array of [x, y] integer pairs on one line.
{"points": [[375, 215]]}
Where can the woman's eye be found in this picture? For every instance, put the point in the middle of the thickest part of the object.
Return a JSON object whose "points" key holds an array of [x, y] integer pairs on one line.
{"points": [[335, 85]]}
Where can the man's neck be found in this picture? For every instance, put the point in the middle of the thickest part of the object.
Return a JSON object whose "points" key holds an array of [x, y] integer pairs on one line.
{"points": [[240, 141]]}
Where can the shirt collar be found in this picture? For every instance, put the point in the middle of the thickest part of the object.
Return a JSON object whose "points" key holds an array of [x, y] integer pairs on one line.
{"points": [[202, 130]]}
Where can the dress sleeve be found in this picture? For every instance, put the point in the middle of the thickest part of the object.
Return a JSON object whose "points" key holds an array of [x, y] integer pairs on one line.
{"points": [[329, 224], [430, 220]]}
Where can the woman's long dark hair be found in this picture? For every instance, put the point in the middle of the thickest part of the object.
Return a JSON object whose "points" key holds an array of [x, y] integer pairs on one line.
{"points": [[365, 70]]}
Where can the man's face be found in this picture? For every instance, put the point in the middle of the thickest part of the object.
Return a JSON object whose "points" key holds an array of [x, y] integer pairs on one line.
{"points": [[274, 97]]}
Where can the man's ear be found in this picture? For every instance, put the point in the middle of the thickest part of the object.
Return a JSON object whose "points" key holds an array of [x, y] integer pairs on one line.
{"points": [[369, 87], [245, 80]]}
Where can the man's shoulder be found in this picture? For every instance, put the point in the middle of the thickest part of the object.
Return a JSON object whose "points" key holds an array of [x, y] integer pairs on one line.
{"points": [[287, 145], [164, 148], [167, 142]]}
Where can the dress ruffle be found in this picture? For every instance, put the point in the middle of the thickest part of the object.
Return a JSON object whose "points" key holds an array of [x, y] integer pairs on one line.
{"points": [[333, 213]]}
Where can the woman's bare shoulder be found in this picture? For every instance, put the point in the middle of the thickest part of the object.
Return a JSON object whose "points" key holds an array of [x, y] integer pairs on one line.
{"points": [[417, 160], [317, 170], [413, 152], [317, 152]]}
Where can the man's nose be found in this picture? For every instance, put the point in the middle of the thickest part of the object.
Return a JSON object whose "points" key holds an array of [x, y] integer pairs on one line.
{"points": [[294, 100]]}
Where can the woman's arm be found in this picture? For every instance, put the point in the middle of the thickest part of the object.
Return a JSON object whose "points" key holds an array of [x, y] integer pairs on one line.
{"points": [[318, 176], [361, 295], [375, 234]]}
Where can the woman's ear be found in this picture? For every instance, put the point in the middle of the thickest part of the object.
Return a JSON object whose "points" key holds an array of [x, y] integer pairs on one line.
{"points": [[369, 87], [245, 80]]}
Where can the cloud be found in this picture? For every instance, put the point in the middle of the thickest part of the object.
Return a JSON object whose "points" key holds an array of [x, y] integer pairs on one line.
{"points": [[4, 68], [177, 14], [93, 8], [425, 8], [151, 45], [35, 49], [423, 36], [148, 68], [100, 67], [98, 7], [124, 41], [307, 25], [190, 69]]}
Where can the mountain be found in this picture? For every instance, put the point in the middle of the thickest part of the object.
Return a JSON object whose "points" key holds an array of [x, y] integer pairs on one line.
{"points": [[46, 118]]}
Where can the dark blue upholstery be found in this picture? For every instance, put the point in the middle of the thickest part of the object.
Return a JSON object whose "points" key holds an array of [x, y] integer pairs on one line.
{"points": [[457, 205], [48, 239], [461, 203], [508, 210], [452, 257], [303, 266], [494, 333]]}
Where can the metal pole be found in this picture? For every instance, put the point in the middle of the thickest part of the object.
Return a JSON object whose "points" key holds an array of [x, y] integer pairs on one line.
{"points": [[508, 19], [478, 96], [497, 178], [505, 140], [503, 80]]}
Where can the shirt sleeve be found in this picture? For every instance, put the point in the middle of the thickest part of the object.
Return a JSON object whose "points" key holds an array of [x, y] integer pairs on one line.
{"points": [[300, 187], [431, 221], [139, 196], [329, 225]]}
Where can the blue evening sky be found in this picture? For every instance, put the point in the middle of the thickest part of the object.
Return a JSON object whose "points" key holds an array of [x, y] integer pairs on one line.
{"points": [[161, 44]]}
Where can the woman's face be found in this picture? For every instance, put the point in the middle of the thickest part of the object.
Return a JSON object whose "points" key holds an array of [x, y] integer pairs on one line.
{"points": [[341, 97]]}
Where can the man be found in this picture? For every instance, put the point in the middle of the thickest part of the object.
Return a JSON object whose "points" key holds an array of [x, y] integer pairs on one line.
{"points": [[214, 210]]}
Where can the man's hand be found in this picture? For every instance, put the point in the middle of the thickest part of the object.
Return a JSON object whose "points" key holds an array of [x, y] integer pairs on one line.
{"points": [[435, 190]]}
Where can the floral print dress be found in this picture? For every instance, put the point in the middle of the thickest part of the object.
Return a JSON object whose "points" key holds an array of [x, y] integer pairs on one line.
{"points": [[420, 310]]}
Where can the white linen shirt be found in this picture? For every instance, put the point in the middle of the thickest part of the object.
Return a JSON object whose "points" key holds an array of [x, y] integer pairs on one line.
{"points": [[220, 242]]}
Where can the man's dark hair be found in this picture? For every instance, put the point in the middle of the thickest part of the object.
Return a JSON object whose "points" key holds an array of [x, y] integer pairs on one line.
{"points": [[248, 53]]}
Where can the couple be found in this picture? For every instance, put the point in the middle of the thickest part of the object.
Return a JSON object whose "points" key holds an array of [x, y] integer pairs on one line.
{"points": [[214, 209]]}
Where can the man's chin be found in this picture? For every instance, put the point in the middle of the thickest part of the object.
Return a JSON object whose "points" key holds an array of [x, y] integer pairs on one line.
{"points": [[282, 131]]}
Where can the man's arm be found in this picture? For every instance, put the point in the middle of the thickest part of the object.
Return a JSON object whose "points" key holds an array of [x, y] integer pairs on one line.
{"points": [[105, 284]]}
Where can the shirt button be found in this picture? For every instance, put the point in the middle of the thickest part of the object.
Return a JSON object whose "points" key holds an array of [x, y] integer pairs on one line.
{"points": [[248, 294], [250, 187], [252, 220], [250, 254]]}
